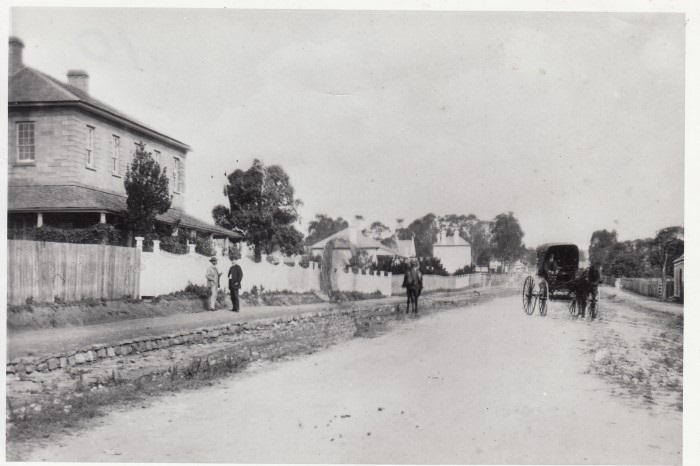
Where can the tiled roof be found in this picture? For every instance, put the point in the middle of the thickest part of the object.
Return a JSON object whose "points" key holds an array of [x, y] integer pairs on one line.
{"points": [[30, 86], [363, 242], [69, 198]]}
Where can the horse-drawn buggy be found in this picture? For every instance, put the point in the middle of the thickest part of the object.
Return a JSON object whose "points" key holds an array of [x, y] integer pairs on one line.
{"points": [[558, 273]]}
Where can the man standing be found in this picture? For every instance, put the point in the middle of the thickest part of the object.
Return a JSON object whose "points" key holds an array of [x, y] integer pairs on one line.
{"points": [[213, 276], [235, 276]]}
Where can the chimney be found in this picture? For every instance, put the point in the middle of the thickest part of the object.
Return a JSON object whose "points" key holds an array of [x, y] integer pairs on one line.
{"points": [[15, 56], [354, 228], [79, 79]]}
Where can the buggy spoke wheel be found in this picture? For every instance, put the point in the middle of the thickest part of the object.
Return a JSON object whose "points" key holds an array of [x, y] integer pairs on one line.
{"points": [[529, 297], [544, 297]]}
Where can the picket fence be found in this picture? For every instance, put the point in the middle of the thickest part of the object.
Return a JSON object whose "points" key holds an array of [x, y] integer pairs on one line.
{"points": [[646, 286], [39, 271], [458, 282]]}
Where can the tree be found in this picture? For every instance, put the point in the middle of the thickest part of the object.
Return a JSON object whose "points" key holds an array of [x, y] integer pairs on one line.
{"points": [[262, 204], [147, 193], [668, 245], [377, 230], [425, 231], [600, 248], [506, 238], [322, 227]]}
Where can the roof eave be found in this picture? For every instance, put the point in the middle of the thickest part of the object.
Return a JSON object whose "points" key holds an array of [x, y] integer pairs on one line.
{"points": [[167, 140]]}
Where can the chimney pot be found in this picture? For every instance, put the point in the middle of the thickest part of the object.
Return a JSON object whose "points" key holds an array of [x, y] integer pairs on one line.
{"points": [[15, 55], [79, 79]]}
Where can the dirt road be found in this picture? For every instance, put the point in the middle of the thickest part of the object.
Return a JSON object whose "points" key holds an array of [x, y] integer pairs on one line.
{"points": [[483, 384]]}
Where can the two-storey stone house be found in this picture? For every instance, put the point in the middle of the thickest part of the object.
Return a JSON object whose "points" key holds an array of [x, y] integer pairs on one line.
{"points": [[68, 154]]}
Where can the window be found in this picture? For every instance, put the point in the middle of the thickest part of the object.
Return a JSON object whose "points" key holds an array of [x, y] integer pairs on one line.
{"points": [[176, 176], [156, 156], [90, 147], [115, 154], [25, 141]]}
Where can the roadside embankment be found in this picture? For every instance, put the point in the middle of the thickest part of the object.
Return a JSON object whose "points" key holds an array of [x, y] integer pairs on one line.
{"points": [[40, 399]]}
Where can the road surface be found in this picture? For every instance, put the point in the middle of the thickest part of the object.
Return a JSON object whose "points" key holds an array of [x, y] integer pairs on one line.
{"points": [[481, 384]]}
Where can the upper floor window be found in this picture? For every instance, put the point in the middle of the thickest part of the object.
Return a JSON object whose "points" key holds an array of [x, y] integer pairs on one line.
{"points": [[156, 156], [177, 180], [90, 146], [115, 154], [25, 141]]}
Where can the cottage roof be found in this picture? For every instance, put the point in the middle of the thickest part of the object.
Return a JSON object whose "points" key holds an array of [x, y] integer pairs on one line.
{"points": [[72, 198], [31, 87], [363, 242]]}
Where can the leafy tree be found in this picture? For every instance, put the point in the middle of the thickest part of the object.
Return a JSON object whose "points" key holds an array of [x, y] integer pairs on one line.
{"points": [[147, 193], [432, 266], [602, 243], [425, 231], [530, 256], [322, 227], [507, 238], [377, 230], [262, 204], [668, 245]]}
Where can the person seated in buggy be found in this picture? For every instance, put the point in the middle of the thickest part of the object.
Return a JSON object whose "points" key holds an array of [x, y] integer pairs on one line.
{"points": [[551, 267]]}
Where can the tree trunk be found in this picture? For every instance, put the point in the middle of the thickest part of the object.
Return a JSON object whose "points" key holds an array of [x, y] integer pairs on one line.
{"points": [[257, 252]]}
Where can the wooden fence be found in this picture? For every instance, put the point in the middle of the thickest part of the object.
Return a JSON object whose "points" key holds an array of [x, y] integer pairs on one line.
{"points": [[647, 286], [43, 271]]}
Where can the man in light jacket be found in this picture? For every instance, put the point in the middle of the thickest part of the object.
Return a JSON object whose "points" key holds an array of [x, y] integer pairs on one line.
{"points": [[213, 276]]}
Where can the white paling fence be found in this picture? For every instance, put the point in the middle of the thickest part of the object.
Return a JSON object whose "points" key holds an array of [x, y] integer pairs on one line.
{"points": [[164, 273], [457, 282], [351, 281]]}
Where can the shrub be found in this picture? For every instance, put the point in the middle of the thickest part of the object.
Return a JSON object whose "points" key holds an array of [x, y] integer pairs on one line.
{"points": [[96, 234], [467, 269], [200, 290], [432, 266], [205, 247]]}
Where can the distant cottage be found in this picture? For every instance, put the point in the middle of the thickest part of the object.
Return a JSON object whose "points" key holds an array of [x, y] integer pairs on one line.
{"points": [[453, 251], [68, 153]]}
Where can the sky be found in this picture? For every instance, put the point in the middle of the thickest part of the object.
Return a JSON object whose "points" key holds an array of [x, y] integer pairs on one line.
{"points": [[572, 121]]}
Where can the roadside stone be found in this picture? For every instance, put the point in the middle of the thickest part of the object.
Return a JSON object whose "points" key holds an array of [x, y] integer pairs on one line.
{"points": [[110, 352], [53, 363], [63, 361], [214, 334], [10, 369], [149, 345], [80, 358], [101, 353], [175, 341], [124, 350], [90, 355], [141, 346], [42, 367], [29, 368]]}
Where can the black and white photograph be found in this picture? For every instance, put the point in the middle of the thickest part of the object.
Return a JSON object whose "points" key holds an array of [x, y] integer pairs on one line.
{"points": [[391, 233]]}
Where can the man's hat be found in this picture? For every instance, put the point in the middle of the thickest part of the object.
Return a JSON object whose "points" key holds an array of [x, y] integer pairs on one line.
{"points": [[213, 259]]}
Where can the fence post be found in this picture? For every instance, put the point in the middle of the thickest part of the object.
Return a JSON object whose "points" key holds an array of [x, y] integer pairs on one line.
{"points": [[190, 248], [156, 246], [139, 242]]}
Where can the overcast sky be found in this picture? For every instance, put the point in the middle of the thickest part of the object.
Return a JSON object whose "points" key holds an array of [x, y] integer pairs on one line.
{"points": [[573, 121]]}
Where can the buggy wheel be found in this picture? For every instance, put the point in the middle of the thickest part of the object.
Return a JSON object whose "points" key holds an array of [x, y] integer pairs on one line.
{"points": [[544, 297], [529, 296]]}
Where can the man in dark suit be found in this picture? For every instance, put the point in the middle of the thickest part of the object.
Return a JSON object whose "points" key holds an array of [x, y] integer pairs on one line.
{"points": [[235, 276]]}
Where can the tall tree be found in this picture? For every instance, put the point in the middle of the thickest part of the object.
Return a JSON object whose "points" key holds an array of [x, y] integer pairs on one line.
{"points": [[475, 231], [425, 231], [147, 193], [507, 238], [600, 248], [378, 230], [322, 227], [262, 204], [668, 245]]}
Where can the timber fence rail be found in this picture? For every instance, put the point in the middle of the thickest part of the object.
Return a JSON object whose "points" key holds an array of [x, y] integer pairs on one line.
{"points": [[41, 271]]}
